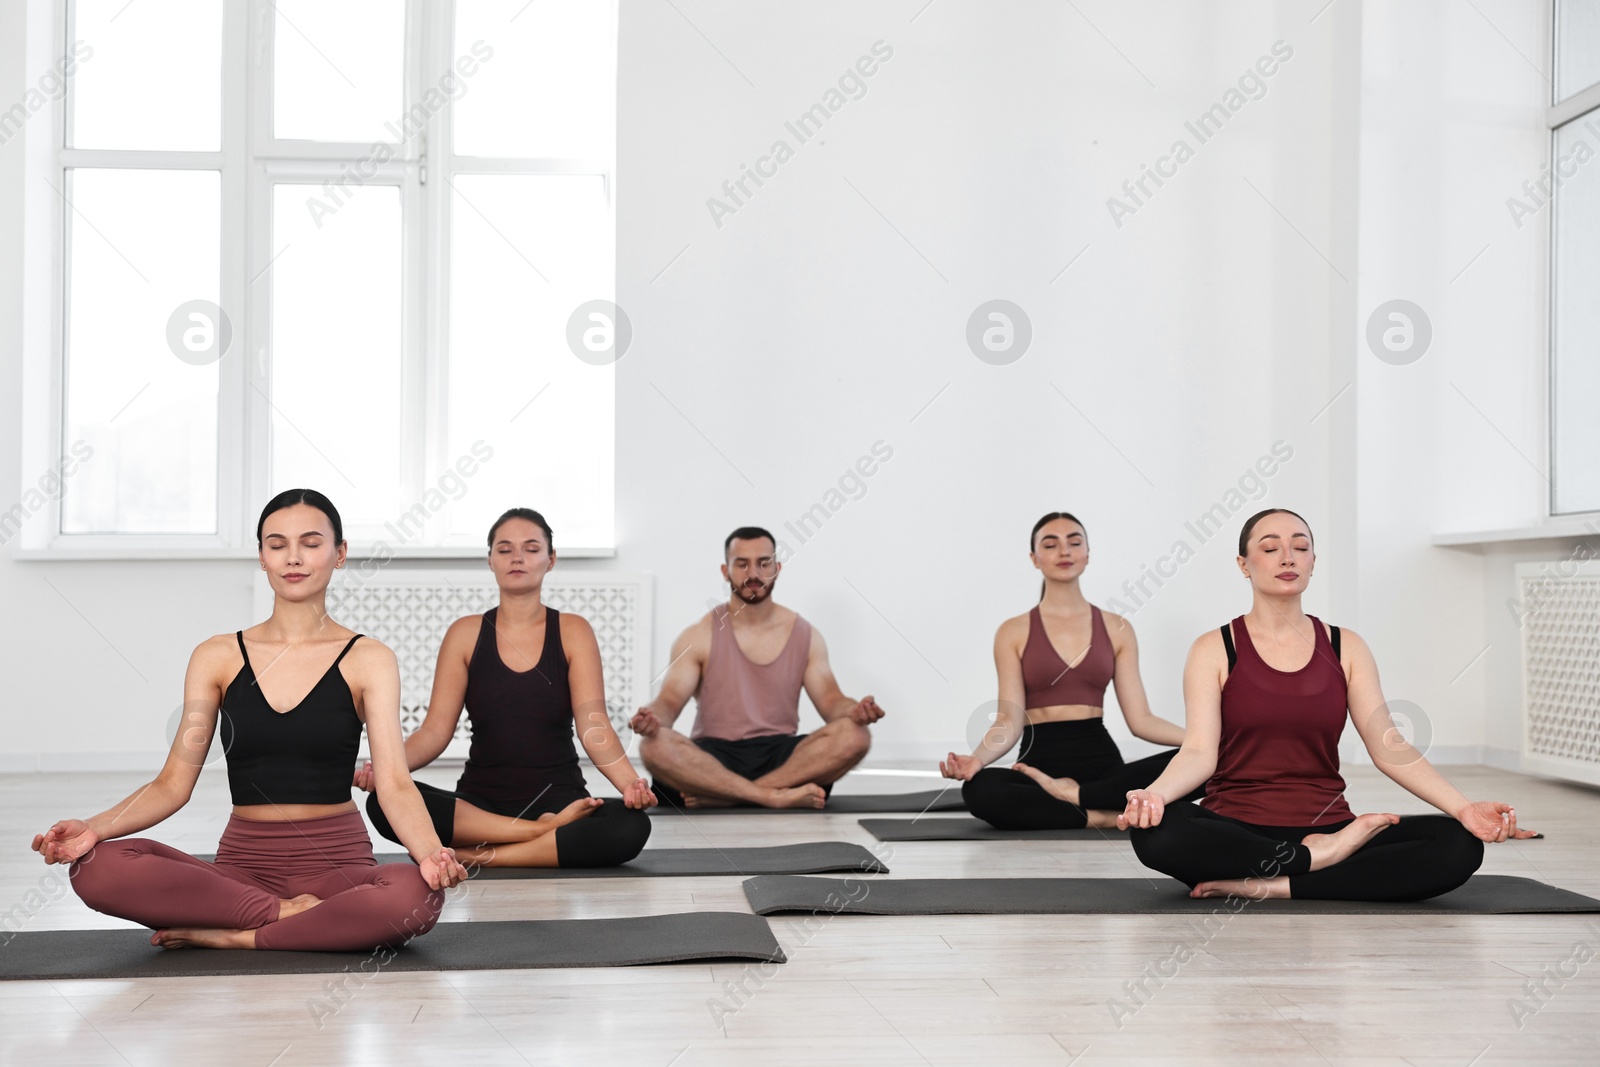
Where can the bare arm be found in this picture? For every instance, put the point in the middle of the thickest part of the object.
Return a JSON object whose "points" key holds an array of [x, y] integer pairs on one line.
{"points": [[1399, 759], [681, 680], [823, 689], [449, 694], [586, 679], [1010, 715], [170, 790], [1145, 725], [1203, 674], [376, 683]]}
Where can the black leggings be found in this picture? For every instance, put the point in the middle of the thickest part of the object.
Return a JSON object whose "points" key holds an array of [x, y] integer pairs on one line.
{"points": [[1080, 749], [611, 835], [1420, 857]]}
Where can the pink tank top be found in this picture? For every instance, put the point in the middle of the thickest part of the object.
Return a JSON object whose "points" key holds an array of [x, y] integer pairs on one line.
{"points": [[738, 699], [1278, 757]]}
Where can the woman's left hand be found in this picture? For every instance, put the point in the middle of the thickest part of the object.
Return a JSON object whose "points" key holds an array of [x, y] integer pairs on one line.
{"points": [[1491, 820], [639, 796], [442, 870]]}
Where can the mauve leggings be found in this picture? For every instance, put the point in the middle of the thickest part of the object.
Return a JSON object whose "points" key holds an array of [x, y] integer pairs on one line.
{"points": [[364, 905]]}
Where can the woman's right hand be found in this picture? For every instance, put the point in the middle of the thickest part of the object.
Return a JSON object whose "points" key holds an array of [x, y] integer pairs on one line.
{"points": [[961, 768], [1144, 810], [66, 841], [364, 779]]}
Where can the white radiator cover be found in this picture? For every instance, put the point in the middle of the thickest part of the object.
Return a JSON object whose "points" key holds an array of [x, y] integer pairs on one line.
{"points": [[409, 610], [1559, 617]]}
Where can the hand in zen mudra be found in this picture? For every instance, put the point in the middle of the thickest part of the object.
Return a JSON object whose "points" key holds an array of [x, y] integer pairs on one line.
{"points": [[961, 768], [1492, 821], [1144, 810], [866, 712], [66, 841], [442, 870], [639, 796]]}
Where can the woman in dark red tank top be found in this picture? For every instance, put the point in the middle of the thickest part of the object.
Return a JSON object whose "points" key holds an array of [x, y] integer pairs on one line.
{"points": [[1267, 698], [526, 675], [1073, 776]]}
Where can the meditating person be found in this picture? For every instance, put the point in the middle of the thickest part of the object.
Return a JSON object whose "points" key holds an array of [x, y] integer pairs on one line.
{"points": [[1267, 697], [527, 675], [745, 663], [1070, 773], [294, 867]]}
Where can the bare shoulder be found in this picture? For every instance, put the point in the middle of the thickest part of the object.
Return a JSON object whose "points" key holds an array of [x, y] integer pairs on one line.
{"points": [[466, 626], [1208, 647], [1014, 631], [217, 655], [1120, 629], [370, 654], [576, 628]]}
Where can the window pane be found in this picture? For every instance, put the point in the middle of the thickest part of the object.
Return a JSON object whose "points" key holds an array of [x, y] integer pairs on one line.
{"points": [[141, 243], [338, 67], [1576, 358], [336, 355], [1577, 46], [550, 88], [147, 75], [508, 341]]}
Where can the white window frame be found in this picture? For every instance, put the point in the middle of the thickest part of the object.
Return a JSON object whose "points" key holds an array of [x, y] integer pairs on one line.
{"points": [[251, 160]]}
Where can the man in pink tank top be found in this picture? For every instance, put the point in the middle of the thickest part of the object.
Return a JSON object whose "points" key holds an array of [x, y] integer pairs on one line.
{"points": [[745, 663]]}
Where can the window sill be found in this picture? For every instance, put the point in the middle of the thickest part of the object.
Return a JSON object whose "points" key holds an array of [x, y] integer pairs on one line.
{"points": [[1557, 528]]}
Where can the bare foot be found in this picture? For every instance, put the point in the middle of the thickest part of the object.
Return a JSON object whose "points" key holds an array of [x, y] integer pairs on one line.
{"points": [[809, 795], [295, 905], [1328, 849], [573, 812], [1061, 788], [179, 938], [1253, 888], [691, 801]]}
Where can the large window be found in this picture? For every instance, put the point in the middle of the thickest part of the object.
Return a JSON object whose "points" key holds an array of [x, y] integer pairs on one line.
{"points": [[1575, 259], [334, 243]]}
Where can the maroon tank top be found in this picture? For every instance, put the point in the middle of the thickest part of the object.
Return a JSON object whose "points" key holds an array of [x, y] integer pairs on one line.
{"points": [[1047, 680], [739, 699], [1278, 757]]}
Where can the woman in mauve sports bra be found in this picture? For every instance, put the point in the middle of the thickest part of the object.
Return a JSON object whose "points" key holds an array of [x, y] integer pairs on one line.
{"points": [[294, 868], [1073, 775], [526, 673], [1267, 697]]}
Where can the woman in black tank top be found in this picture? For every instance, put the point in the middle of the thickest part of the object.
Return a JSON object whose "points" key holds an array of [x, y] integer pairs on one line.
{"points": [[527, 675], [294, 869]]}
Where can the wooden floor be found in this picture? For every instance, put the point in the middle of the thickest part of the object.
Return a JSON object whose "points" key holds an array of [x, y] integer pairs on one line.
{"points": [[873, 990]]}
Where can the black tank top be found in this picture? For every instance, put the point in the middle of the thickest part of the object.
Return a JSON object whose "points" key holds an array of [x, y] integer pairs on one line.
{"points": [[305, 755], [522, 725]]}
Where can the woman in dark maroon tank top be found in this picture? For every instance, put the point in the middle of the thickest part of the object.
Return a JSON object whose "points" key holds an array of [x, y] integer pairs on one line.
{"points": [[1073, 775], [1267, 697], [526, 675]]}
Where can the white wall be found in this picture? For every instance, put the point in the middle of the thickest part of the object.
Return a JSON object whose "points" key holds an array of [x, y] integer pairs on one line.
{"points": [[815, 322]]}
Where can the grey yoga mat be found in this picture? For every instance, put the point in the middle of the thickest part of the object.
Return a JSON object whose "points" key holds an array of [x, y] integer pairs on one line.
{"points": [[469, 946], [811, 857], [1484, 894], [969, 829], [848, 804]]}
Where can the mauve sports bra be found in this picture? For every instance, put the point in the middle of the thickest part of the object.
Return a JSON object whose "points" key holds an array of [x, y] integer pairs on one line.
{"points": [[1047, 681]]}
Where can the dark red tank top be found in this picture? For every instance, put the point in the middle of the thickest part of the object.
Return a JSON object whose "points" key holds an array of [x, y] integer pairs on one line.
{"points": [[1047, 680], [521, 721], [1278, 757]]}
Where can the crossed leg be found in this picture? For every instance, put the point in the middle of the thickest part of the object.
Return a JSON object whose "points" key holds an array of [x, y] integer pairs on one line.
{"points": [[694, 772]]}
